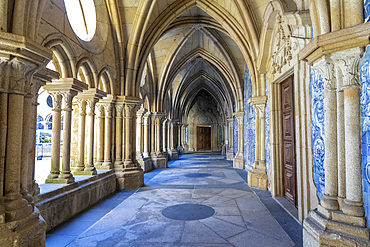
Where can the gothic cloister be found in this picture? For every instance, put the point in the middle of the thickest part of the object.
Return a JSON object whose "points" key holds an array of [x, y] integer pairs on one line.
{"points": [[103, 91]]}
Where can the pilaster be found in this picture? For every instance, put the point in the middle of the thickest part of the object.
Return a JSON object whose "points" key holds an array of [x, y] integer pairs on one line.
{"points": [[159, 160], [230, 144], [174, 155], [257, 176], [238, 161]]}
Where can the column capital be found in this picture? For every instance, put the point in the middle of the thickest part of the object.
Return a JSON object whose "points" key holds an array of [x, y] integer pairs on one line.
{"points": [[57, 100], [119, 107], [325, 67], [348, 61], [239, 115], [99, 110], [260, 110]]}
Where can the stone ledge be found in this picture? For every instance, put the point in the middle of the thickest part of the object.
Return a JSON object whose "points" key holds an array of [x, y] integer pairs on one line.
{"points": [[61, 204]]}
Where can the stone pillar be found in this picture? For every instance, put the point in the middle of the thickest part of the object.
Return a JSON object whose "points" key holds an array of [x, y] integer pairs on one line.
{"points": [[66, 175], [325, 67], [118, 164], [180, 148], [100, 113], [174, 155], [142, 141], [257, 176], [238, 161], [130, 176], [184, 144], [81, 137], [166, 136], [146, 120], [88, 99], [230, 149], [153, 140], [55, 141], [19, 220], [107, 165], [159, 160], [348, 62]]}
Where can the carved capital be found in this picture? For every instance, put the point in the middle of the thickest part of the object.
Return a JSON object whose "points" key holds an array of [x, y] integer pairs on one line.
{"points": [[119, 110], [146, 118], [108, 110], [99, 110], [129, 110], [67, 99], [90, 107], [239, 116], [82, 106], [15, 76], [348, 61], [57, 100], [260, 110], [325, 66]]}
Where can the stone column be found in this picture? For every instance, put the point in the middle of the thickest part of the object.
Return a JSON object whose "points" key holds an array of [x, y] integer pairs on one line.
{"points": [[139, 133], [66, 175], [55, 141], [257, 176], [180, 148], [325, 67], [238, 161], [230, 149], [27, 106], [153, 140], [81, 137], [166, 136], [107, 165], [20, 222], [90, 97], [142, 141], [159, 160], [131, 176], [146, 134], [100, 113], [118, 164], [172, 134], [348, 62]]}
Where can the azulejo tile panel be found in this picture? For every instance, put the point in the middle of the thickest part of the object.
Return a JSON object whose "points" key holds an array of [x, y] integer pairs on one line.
{"points": [[365, 128], [367, 10], [187, 135], [249, 123], [236, 135], [267, 129], [317, 124]]}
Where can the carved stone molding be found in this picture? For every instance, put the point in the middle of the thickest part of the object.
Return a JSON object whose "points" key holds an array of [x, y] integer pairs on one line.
{"points": [[325, 66], [57, 100], [119, 110], [348, 62]]}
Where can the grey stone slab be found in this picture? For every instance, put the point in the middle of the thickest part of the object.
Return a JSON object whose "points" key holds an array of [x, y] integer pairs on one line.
{"points": [[57, 240], [222, 210], [236, 220], [255, 239], [223, 228], [196, 232]]}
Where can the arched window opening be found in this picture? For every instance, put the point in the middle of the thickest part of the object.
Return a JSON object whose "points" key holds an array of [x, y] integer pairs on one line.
{"points": [[82, 17]]}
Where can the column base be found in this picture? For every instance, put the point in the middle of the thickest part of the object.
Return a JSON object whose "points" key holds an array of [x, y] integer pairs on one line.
{"points": [[333, 228], [159, 162], [146, 164], [353, 208], [85, 172], [229, 155], [180, 150], [60, 180], [104, 166], [174, 155], [29, 231], [329, 202], [258, 178], [238, 162], [129, 179]]}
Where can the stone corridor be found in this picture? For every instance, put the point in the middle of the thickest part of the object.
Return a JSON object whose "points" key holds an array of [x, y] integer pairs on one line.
{"points": [[214, 207]]}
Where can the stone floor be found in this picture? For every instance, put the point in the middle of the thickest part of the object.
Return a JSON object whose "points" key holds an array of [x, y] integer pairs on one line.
{"points": [[205, 202]]}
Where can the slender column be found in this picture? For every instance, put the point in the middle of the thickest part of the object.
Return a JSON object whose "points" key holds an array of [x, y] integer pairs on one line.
{"points": [[89, 166], [146, 134], [3, 135], [183, 135], [25, 146], [179, 142], [108, 137], [129, 115], [66, 174], [326, 68], [260, 152], [55, 145], [118, 162], [348, 62], [81, 136], [139, 133], [99, 111], [153, 139]]}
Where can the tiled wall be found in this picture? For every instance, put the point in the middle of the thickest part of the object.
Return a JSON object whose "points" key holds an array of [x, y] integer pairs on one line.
{"points": [[367, 10], [317, 121], [365, 128], [220, 135], [187, 134], [236, 135], [249, 124], [267, 129]]}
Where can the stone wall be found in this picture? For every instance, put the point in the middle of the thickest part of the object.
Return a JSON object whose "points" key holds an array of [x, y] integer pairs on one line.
{"points": [[59, 205]]}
